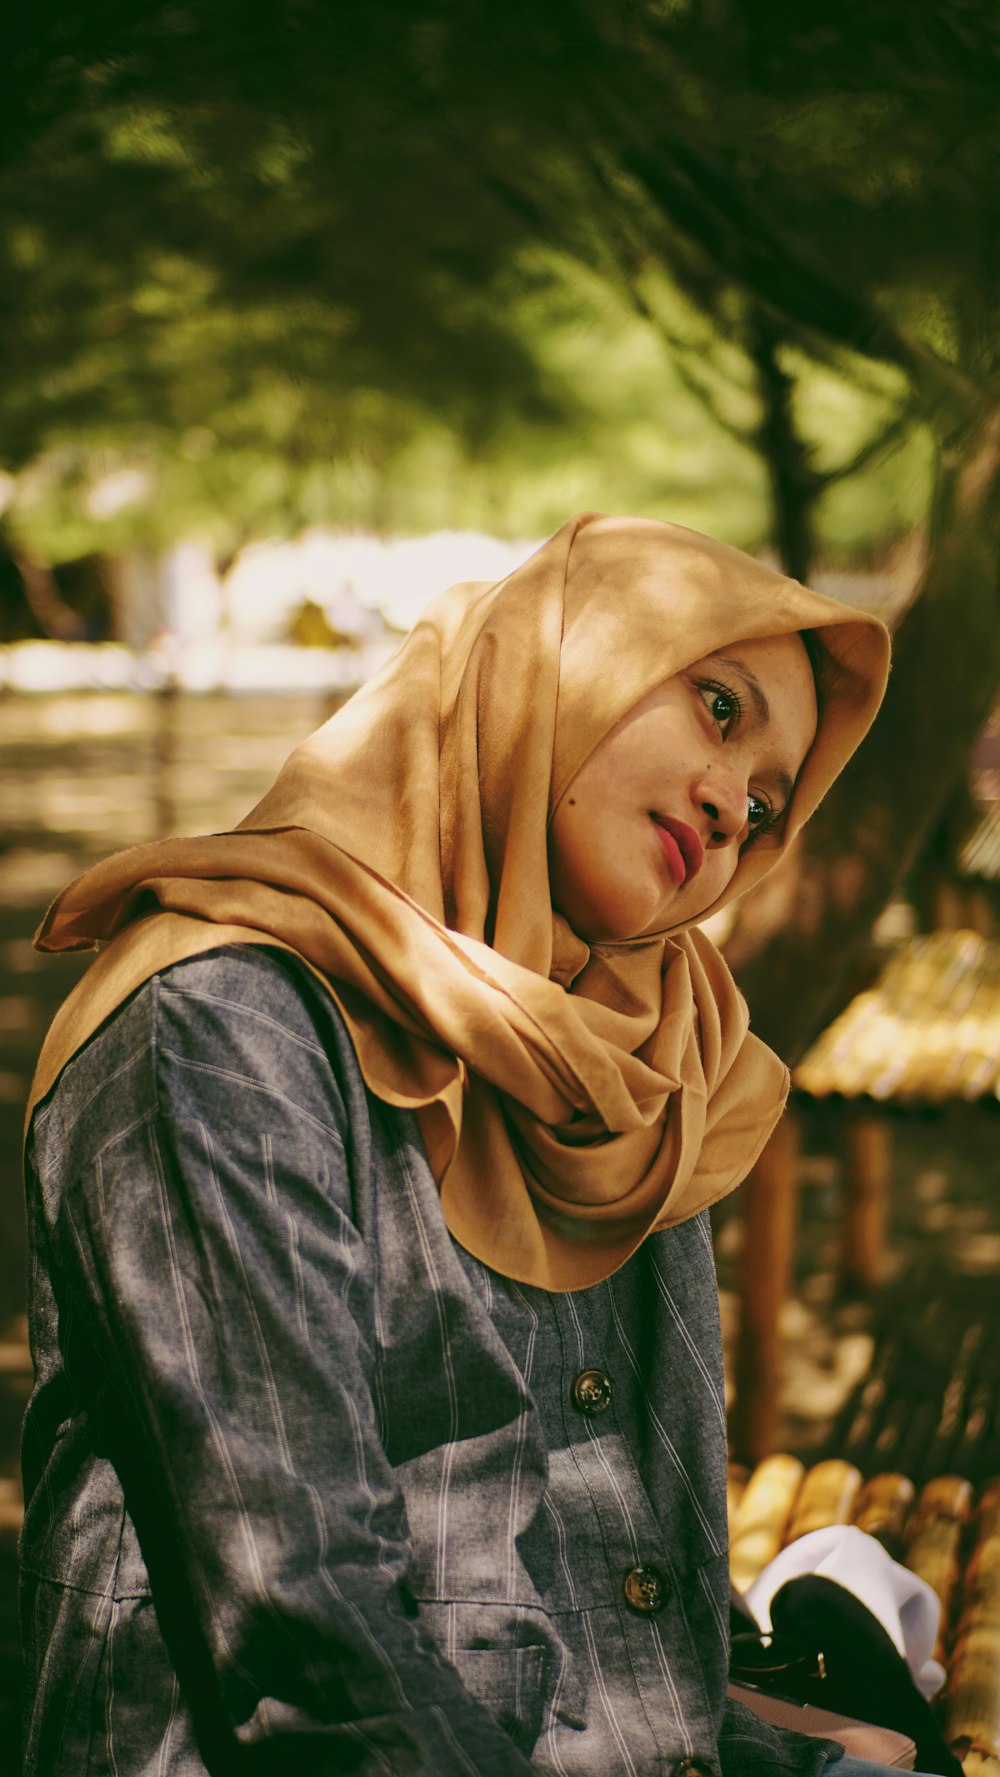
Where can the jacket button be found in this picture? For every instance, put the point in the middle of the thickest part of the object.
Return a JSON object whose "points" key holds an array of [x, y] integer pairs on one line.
{"points": [[645, 1591], [691, 1767], [592, 1391]]}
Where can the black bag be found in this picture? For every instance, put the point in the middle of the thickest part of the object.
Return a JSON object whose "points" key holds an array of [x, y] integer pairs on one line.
{"points": [[827, 1648]]}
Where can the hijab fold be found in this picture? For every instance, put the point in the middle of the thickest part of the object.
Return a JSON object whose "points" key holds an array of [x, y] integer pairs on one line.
{"points": [[571, 1098]]}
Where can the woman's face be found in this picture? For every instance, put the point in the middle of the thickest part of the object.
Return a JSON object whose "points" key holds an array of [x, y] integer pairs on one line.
{"points": [[650, 830]]}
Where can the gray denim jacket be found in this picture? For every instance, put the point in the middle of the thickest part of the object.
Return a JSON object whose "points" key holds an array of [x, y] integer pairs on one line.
{"points": [[311, 1490]]}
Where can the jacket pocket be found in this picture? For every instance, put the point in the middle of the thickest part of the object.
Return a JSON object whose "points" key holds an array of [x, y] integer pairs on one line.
{"points": [[509, 1682]]}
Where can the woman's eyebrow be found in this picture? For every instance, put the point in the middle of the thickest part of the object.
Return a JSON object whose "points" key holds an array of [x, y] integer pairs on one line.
{"points": [[752, 684], [786, 786]]}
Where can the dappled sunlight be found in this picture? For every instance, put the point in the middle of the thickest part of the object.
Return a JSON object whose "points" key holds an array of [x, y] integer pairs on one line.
{"points": [[73, 718], [978, 1253], [29, 878], [65, 805], [826, 1356], [825, 1362]]}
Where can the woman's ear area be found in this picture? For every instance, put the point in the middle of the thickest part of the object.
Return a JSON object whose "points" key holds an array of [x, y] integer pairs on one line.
{"points": [[850, 661], [816, 656]]}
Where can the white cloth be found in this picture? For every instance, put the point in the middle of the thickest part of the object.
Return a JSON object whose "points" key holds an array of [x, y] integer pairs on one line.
{"points": [[904, 1604]]}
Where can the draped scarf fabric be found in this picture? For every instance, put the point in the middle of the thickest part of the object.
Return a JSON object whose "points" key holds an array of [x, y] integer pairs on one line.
{"points": [[571, 1097]]}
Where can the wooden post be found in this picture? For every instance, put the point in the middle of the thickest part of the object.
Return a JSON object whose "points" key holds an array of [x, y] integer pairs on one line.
{"points": [[770, 1197], [165, 736], [867, 1177]]}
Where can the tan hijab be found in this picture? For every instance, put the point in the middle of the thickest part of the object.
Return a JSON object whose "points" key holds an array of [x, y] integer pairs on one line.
{"points": [[571, 1098]]}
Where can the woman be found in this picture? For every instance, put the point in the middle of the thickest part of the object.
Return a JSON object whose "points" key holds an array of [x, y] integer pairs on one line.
{"points": [[379, 1422]]}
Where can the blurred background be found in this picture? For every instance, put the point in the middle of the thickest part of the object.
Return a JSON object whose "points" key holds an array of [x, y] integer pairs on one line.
{"points": [[309, 311]]}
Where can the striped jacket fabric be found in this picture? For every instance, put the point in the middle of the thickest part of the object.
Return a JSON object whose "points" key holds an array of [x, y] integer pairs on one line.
{"points": [[311, 1490]]}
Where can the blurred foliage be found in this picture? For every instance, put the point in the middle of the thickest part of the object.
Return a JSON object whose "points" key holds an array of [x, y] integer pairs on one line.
{"points": [[412, 265]]}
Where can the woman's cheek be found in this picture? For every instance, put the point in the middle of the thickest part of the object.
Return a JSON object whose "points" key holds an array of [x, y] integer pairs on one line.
{"points": [[712, 879], [599, 880]]}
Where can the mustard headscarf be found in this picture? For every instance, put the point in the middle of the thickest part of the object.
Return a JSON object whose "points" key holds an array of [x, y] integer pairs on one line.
{"points": [[571, 1098]]}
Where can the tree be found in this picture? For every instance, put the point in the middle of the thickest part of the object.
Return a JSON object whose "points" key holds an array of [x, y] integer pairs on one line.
{"points": [[930, 312], [836, 175], [325, 229]]}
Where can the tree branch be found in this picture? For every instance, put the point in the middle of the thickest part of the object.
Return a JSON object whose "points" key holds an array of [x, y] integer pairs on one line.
{"points": [[741, 238]]}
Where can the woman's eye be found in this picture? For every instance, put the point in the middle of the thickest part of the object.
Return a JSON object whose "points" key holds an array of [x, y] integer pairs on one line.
{"points": [[757, 812], [723, 706]]}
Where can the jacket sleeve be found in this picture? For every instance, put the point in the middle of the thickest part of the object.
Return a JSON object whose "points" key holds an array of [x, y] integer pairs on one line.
{"points": [[202, 1229]]}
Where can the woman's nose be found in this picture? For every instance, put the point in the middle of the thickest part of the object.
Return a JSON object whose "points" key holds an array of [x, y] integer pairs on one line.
{"points": [[722, 800]]}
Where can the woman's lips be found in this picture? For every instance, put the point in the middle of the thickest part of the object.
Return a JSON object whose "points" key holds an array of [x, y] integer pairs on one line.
{"points": [[682, 848]]}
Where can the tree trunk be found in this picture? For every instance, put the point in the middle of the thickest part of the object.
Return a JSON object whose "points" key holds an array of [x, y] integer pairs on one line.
{"points": [[33, 602], [869, 830], [782, 451]]}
